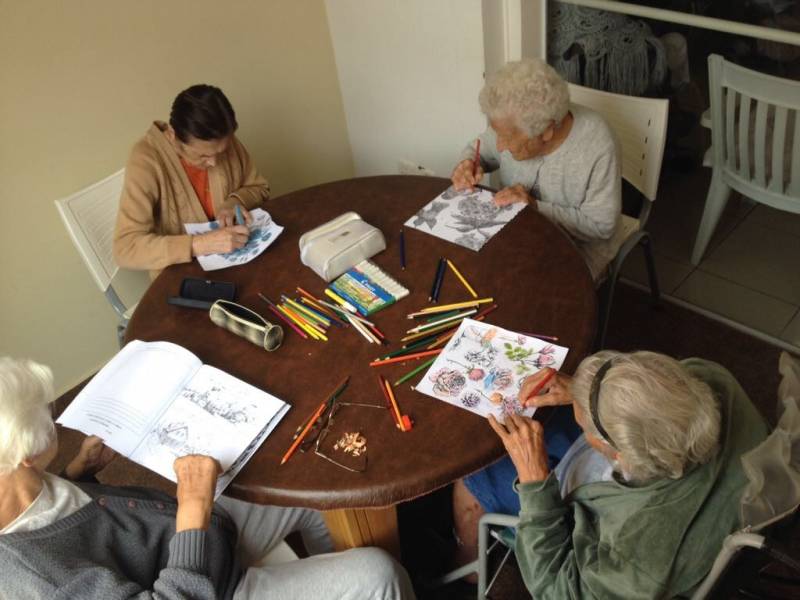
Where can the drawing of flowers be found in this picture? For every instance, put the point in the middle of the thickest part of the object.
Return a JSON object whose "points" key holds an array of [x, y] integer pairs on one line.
{"points": [[471, 399], [498, 379], [484, 357], [474, 373], [448, 382], [471, 241], [511, 406], [523, 357]]}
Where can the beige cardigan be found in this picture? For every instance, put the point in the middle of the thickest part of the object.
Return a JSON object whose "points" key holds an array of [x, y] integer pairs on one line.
{"points": [[157, 199]]}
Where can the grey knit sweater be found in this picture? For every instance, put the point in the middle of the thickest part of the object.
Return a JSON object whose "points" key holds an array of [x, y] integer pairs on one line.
{"points": [[121, 545]]}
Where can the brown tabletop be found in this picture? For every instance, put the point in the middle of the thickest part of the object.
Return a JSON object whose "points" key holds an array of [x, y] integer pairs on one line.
{"points": [[530, 268]]}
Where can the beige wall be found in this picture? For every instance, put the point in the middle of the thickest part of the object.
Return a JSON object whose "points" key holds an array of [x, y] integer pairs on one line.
{"points": [[80, 81]]}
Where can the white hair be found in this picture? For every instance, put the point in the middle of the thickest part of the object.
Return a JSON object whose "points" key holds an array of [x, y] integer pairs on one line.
{"points": [[26, 425], [661, 419], [530, 92]]}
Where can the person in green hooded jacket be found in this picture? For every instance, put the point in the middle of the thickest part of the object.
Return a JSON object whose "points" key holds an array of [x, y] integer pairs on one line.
{"points": [[640, 503]]}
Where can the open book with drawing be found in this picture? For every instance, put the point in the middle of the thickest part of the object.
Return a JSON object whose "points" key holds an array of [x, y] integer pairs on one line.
{"points": [[155, 401]]}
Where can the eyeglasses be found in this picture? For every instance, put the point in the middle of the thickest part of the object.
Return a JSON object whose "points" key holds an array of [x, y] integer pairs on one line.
{"points": [[318, 434]]}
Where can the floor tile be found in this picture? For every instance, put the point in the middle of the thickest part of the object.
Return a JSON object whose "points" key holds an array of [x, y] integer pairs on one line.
{"points": [[678, 210], [741, 304], [792, 332], [670, 273], [759, 258], [776, 219]]}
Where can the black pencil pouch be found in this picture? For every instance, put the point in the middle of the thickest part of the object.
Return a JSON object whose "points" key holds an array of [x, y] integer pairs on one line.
{"points": [[246, 323]]}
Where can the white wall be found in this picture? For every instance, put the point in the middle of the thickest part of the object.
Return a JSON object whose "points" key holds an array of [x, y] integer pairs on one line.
{"points": [[409, 73]]}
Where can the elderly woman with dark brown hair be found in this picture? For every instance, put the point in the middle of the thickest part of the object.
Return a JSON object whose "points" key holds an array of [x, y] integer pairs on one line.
{"points": [[640, 503]]}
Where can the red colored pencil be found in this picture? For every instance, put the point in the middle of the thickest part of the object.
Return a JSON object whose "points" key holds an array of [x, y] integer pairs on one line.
{"points": [[271, 306]]}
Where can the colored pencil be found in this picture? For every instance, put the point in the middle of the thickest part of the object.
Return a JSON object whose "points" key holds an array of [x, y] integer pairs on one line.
{"points": [[437, 316], [438, 329], [274, 309], [404, 350], [456, 317], [545, 380], [322, 310], [396, 408], [445, 307], [325, 316], [402, 249], [340, 301], [386, 400], [461, 278], [345, 314], [549, 338], [413, 372], [440, 280], [362, 329], [292, 312], [300, 323], [439, 269], [416, 355], [315, 415], [446, 336], [306, 312]]}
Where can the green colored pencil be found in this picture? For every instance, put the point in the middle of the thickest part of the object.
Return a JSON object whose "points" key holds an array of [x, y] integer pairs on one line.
{"points": [[413, 372]]}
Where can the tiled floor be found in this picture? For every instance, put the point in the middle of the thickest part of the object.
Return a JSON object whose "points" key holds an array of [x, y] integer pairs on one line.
{"points": [[749, 273]]}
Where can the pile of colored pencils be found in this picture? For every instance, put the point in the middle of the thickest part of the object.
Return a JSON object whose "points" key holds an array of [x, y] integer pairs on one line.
{"points": [[426, 340]]}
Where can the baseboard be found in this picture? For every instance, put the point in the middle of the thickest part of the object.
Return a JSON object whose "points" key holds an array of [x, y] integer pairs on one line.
{"points": [[760, 335]]}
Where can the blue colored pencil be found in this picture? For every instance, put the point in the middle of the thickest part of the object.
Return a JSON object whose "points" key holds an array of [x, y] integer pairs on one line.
{"points": [[436, 280], [438, 288], [402, 249]]}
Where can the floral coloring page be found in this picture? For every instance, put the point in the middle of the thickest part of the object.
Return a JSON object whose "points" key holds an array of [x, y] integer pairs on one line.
{"points": [[263, 231], [468, 219], [482, 367]]}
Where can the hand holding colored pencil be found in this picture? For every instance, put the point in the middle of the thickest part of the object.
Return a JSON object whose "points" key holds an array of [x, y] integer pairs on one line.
{"points": [[557, 394]]}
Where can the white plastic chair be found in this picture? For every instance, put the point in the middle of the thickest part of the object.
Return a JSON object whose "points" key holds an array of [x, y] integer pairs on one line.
{"points": [[751, 114], [640, 125], [89, 216]]}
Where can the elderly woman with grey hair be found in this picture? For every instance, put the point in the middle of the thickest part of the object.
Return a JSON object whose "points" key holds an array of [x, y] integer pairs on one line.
{"points": [[640, 503], [85, 540], [561, 159]]}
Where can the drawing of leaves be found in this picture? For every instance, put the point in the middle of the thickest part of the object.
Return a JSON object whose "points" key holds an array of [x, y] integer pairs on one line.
{"points": [[471, 241], [429, 214], [448, 382]]}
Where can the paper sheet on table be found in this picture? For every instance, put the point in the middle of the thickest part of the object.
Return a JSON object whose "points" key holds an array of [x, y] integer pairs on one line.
{"points": [[469, 219], [482, 367], [263, 231]]}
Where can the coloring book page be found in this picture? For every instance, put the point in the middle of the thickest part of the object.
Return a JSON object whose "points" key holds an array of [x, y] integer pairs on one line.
{"points": [[469, 219], [482, 367], [216, 415], [263, 231]]}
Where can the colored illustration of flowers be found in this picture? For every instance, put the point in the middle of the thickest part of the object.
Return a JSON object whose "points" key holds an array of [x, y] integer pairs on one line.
{"points": [[498, 379], [484, 357], [511, 406], [471, 399], [528, 359], [448, 382]]}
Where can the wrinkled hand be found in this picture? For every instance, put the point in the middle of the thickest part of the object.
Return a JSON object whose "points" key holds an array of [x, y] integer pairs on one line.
{"points": [[512, 195], [465, 176], [197, 478], [524, 441], [92, 458], [226, 216], [554, 393], [220, 241]]}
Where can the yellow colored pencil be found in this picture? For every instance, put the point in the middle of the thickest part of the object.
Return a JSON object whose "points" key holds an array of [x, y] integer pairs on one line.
{"points": [[461, 278], [307, 313], [300, 323], [448, 307], [340, 301]]}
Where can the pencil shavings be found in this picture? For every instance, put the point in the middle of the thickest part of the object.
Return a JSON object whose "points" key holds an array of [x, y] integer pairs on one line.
{"points": [[352, 443]]}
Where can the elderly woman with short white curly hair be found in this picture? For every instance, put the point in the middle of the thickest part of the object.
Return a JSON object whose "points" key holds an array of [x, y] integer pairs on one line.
{"points": [[66, 539], [560, 159], [640, 503]]}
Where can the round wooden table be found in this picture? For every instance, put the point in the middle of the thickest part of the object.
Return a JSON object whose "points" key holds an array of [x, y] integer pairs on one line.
{"points": [[531, 269]]}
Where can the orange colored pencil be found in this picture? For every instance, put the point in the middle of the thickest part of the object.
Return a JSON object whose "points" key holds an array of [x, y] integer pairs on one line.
{"points": [[394, 405], [388, 361]]}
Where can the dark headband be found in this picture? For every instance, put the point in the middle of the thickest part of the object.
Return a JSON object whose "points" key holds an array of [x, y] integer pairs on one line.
{"points": [[594, 395]]}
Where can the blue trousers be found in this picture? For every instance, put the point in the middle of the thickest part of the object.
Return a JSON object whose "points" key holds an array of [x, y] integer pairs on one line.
{"points": [[494, 486]]}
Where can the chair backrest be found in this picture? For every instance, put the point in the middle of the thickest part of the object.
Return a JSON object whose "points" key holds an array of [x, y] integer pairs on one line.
{"points": [[641, 128], [89, 216], [750, 115]]}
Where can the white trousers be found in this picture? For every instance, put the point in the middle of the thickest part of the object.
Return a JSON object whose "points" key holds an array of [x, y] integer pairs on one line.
{"points": [[357, 574]]}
